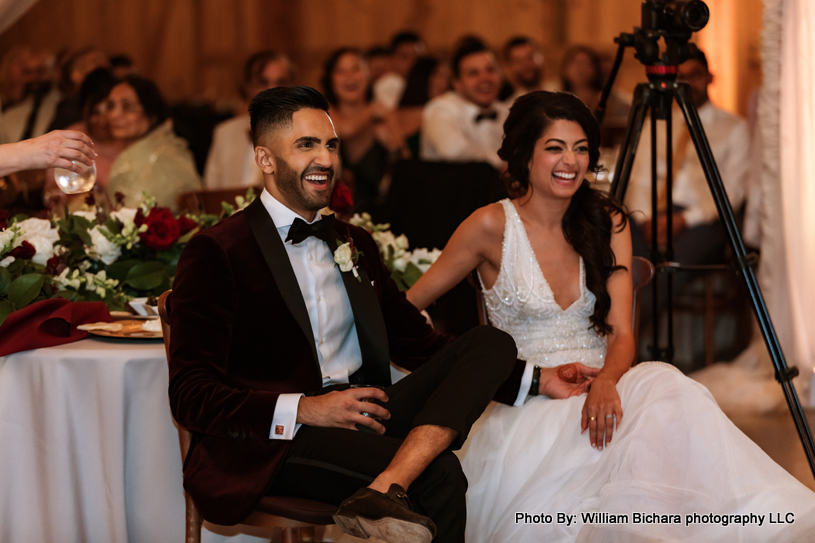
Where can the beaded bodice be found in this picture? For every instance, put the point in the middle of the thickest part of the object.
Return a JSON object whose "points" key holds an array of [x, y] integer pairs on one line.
{"points": [[522, 304]]}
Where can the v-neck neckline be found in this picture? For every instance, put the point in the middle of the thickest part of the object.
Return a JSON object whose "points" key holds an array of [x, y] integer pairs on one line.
{"points": [[540, 270]]}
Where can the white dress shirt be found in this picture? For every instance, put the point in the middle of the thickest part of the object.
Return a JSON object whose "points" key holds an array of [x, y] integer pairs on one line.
{"points": [[231, 159], [450, 132], [329, 312], [729, 140]]}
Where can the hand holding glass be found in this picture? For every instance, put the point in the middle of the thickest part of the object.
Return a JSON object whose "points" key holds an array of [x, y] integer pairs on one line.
{"points": [[74, 183]]}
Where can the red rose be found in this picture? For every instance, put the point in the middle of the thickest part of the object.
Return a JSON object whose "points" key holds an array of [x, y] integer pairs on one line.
{"points": [[55, 265], [187, 224], [26, 251], [342, 201], [162, 229]]}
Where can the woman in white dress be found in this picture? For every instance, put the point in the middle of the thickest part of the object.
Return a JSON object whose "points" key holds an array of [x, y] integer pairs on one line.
{"points": [[646, 454]]}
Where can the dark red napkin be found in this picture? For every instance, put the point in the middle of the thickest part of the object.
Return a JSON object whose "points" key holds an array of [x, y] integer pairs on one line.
{"points": [[47, 323]]}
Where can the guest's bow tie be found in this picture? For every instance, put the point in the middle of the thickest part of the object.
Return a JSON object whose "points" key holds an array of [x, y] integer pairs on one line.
{"points": [[488, 115], [301, 230]]}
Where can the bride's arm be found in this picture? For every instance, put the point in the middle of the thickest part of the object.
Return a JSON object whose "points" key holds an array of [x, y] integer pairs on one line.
{"points": [[475, 243], [603, 399]]}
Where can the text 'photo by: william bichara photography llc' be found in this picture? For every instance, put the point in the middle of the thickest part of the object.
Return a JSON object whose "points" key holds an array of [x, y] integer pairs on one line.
{"points": [[599, 517]]}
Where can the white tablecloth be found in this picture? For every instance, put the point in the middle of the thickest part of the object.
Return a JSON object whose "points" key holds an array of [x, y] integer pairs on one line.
{"points": [[88, 450]]}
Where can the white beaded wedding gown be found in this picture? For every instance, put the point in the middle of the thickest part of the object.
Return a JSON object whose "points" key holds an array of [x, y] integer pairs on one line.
{"points": [[674, 453]]}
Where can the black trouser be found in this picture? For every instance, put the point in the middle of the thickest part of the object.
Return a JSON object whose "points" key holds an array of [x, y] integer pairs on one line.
{"points": [[451, 390]]}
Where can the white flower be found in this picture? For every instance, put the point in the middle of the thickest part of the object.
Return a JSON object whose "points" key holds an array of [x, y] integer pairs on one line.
{"points": [[399, 264], [101, 247], [125, 215], [423, 258], [343, 257], [90, 215], [64, 280], [401, 242], [6, 261], [40, 234], [7, 241], [99, 283]]}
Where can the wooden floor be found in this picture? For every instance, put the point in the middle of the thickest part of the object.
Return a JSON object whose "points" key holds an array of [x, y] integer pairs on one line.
{"points": [[776, 434]]}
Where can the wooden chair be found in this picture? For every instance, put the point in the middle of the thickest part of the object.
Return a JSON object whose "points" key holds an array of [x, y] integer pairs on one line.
{"points": [[642, 272], [296, 517], [209, 200]]}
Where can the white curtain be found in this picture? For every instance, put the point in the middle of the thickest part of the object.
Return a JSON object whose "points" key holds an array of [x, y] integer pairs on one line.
{"points": [[786, 141], [11, 10], [797, 174]]}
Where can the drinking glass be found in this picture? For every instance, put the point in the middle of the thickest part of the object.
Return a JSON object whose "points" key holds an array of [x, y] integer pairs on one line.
{"points": [[74, 183]]}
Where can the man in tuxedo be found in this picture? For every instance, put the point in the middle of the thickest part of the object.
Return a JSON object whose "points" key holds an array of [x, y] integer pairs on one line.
{"points": [[277, 312], [467, 123]]}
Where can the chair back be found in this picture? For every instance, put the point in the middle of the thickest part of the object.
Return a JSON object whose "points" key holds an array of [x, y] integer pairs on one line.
{"points": [[209, 200], [296, 517]]}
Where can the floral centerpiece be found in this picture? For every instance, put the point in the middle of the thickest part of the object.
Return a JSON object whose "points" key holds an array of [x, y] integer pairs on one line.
{"points": [[406, 266], [93, 255]]}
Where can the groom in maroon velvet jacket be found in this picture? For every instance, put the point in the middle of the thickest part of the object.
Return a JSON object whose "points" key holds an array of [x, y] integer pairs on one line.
{"points": [[269, 334]]}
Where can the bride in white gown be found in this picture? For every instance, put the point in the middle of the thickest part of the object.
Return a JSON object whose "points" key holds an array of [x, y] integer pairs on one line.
{"points": [[673, 467]]}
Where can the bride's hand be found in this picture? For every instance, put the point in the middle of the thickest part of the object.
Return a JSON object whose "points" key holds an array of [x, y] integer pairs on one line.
{"points": [[600, 411]]}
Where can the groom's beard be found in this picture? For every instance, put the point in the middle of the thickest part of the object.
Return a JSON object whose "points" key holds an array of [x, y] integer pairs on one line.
{"points": [[292, 184]]}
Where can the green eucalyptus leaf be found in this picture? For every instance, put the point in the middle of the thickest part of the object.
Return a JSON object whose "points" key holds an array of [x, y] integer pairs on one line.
{"points": [[411, 274], [147, 276], [25, 289], [119, 269], [5, 281], [5, 310]]}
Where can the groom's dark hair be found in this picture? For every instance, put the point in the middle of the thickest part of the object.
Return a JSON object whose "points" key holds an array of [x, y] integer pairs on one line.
{"points": [[273, 108]]}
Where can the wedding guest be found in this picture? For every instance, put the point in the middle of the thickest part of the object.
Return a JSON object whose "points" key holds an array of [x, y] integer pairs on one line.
{"points": [[525, 67], [378, 58], [581, 74], [73, 72], [96, 124], [465, 125], [405, 49], [698, 234], [266, 344], [156, 161], [428, 79], [30, 98], [369, 131], [231, 158]]}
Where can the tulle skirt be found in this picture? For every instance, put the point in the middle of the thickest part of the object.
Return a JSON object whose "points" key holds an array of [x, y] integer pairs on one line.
{"points": [[676, 470]]}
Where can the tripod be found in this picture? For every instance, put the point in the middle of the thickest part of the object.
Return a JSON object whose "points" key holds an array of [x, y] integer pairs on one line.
{"points": [[656, 96]]}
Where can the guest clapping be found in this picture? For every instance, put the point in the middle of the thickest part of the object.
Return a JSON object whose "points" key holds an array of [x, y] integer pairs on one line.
{"points": [[156, 160], [368, 130]]}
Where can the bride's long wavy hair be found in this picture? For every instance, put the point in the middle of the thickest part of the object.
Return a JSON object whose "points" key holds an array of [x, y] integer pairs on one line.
{"points": [[587, 224]]}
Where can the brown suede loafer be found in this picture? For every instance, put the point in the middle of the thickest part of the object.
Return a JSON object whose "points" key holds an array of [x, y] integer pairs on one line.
{"points": [[385, 516]]}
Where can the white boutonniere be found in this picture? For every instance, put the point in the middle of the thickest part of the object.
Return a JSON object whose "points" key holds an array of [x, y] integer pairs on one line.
{"points": [[346, 256]]}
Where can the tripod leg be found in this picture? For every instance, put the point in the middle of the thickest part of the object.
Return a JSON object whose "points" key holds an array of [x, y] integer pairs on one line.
{"points": [[783, 373], [631, 139]]}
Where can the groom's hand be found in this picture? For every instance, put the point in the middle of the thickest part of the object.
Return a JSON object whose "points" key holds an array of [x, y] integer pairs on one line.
{"points": [[343, 409], [567, 380]]}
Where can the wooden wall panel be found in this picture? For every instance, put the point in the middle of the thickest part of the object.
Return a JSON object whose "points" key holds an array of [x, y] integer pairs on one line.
{"points": [[195, 49]]}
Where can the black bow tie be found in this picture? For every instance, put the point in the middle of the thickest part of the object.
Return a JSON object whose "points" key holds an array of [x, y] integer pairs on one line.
{"points": [[301, 230], [491, 115]]}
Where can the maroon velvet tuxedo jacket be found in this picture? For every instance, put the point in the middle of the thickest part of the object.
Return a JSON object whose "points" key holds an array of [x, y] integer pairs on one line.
{"points": [[241, 337]]}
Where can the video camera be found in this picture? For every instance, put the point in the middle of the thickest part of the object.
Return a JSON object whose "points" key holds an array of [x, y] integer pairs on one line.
{"points": [[673, 20]]}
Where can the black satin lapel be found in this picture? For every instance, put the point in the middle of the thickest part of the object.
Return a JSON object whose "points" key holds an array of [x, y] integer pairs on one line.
{"points": [[271, 246], [371, 331]]}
